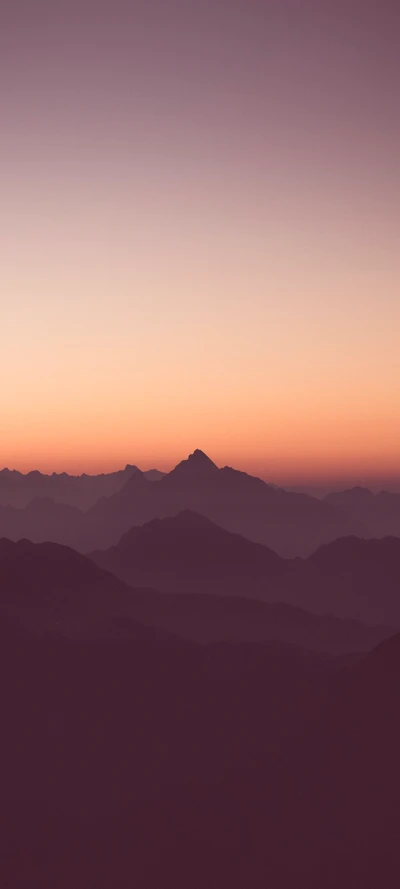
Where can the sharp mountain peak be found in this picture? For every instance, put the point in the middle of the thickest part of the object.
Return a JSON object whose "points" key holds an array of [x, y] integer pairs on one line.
{"points": [[198, 461]]}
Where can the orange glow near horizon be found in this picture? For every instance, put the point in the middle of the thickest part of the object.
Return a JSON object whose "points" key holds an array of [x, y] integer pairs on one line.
{"points": [[314, 397], [290, 449]]}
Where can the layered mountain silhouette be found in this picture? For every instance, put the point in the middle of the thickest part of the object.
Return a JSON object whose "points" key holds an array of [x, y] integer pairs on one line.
{"points": [[290, 524], [51, 588], [40, 507], [171, 715], [54, 587], [351, 578], [164, 554], [18, 489], [188, 553], [44, 520], [49, 575]]}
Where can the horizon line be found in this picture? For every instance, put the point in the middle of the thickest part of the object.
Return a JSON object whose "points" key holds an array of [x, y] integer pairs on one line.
{"points": [[300, 479]]}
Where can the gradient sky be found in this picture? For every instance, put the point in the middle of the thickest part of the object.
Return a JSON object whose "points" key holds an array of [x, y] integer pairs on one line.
{"points": [[199, 235]]}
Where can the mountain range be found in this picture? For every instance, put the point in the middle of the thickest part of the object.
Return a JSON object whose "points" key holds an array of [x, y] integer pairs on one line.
{"points": [[291, 524], [189, 705], [351, 577], [52, 587], [93, 512]]}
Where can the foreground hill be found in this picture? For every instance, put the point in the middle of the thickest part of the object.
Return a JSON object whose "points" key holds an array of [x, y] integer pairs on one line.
{"points": [[212, 618], [136, 762]]}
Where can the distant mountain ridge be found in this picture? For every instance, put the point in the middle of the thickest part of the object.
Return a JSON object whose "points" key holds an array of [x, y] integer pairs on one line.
{"points": [[18, 489]]}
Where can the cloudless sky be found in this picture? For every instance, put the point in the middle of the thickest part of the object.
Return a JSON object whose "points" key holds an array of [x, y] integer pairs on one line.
{"points": [[199, 235]]}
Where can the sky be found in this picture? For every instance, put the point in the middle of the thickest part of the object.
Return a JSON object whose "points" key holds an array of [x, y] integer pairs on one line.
{"points": [[199, 235]]}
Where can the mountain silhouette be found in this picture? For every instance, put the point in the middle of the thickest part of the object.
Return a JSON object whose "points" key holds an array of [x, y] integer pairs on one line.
{"points": [[197, 464], [47, 574], [351, 578], [188, 553], [82, 491], [290, 524], [43, 520], [52, 586]]}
